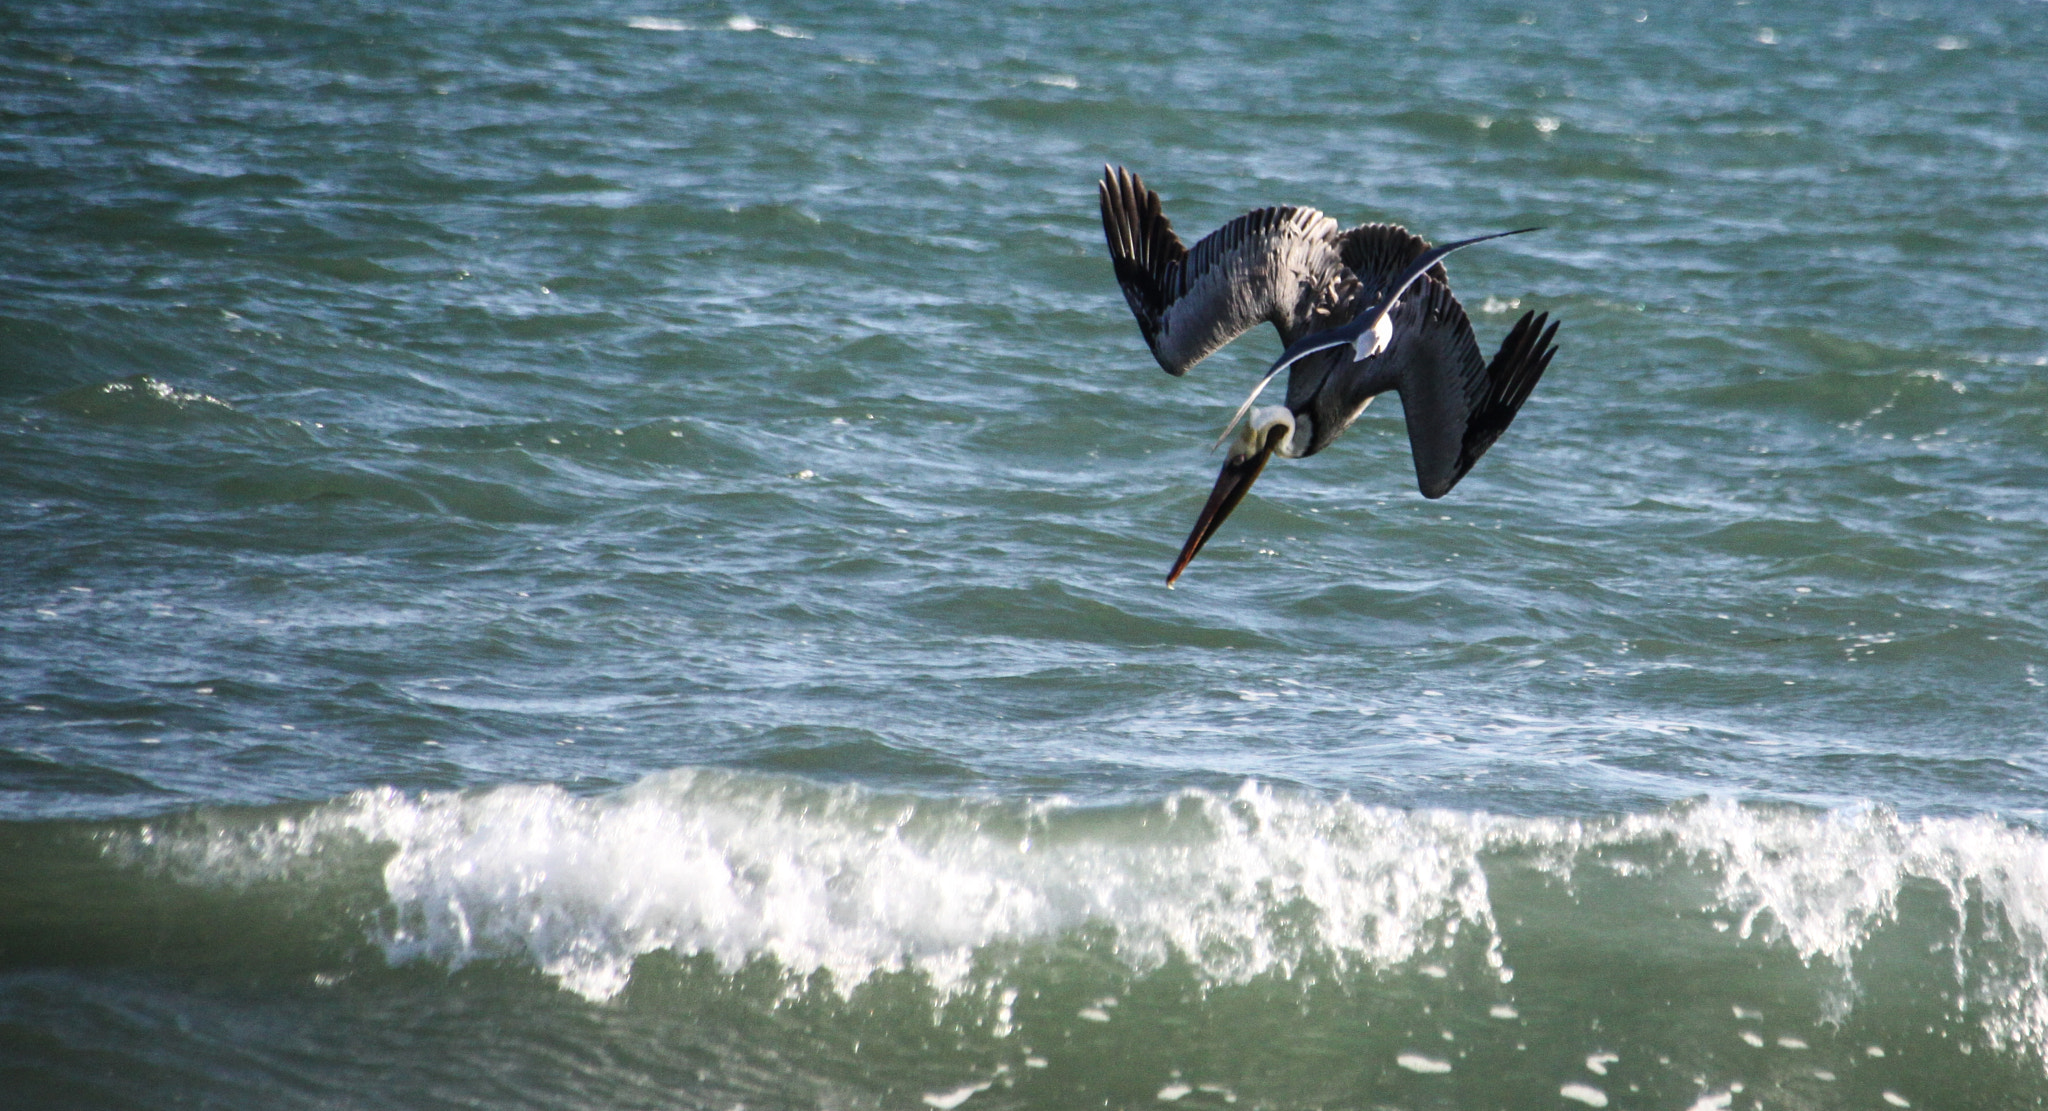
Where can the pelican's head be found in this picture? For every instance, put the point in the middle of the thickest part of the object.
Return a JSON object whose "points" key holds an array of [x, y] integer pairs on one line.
{"points": [[1256, 431], [1271, 429]]}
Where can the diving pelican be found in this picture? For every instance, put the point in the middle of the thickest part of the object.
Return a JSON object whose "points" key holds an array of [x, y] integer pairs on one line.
{"points": [[1361, 312]]}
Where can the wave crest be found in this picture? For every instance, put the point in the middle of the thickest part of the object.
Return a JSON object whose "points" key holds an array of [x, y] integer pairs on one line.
{"points": [[1257, 883]]}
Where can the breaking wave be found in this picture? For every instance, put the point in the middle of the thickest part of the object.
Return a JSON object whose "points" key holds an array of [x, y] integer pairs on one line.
{"points": [[1257, 884]]}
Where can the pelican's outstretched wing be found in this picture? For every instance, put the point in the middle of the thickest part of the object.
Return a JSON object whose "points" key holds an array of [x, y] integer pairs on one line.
{"points": [[1456, 403], [1273, 264]]}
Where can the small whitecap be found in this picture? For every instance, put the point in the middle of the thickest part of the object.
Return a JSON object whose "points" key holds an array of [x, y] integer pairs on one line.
{"points": [[1713, 1101], [745, 23], [1546, 124], [1433, 971], [1503, 1010], [1895, 1099], [1753, 1038], [646, 23], [1584, 1093], [1823, 1074], [1874, 1051], [1767, 36], [1416, 1062], [1035, 1062], [1598, 1062], [946, 1101], [1950, 42], [1744, 1012], [1173, 1092], [1790, 1042], [1093, 1014], [1059, 80]]}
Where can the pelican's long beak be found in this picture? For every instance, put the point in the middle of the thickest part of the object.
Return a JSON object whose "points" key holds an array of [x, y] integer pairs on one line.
{"points": [[1239, 472]]}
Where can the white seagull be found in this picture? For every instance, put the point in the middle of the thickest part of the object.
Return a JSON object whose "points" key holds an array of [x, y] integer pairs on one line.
{"points": [[1361, 311]]}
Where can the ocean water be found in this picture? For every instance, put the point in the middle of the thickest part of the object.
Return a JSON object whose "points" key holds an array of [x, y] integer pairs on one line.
{"points": [[609, 555]]}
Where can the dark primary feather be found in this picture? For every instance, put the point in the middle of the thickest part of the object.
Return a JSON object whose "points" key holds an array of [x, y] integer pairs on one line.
{"points": [[1142, 247], [1521, 361]]}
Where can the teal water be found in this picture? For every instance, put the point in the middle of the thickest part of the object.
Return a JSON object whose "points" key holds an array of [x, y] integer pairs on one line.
{"points": [[609, 556]]}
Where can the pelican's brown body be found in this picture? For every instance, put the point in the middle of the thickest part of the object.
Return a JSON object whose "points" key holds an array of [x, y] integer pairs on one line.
{"points": [[1362, 311]]}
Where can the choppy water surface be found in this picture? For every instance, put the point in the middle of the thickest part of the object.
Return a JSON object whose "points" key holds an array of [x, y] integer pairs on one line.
{"points": [[609, 555]]}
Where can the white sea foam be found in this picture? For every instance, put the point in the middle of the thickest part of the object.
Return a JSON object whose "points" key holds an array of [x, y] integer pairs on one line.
{"points": [[946, 1101], [850, 882], [1822, 882], [847, 882]]}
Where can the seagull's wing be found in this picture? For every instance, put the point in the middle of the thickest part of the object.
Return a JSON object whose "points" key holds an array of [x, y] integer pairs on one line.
{"points": [[1456, 403], [1272, 264], [1379, 252]]}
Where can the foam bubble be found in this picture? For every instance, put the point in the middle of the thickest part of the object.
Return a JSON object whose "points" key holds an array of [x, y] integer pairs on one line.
{"points": [[946, 1101]]}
